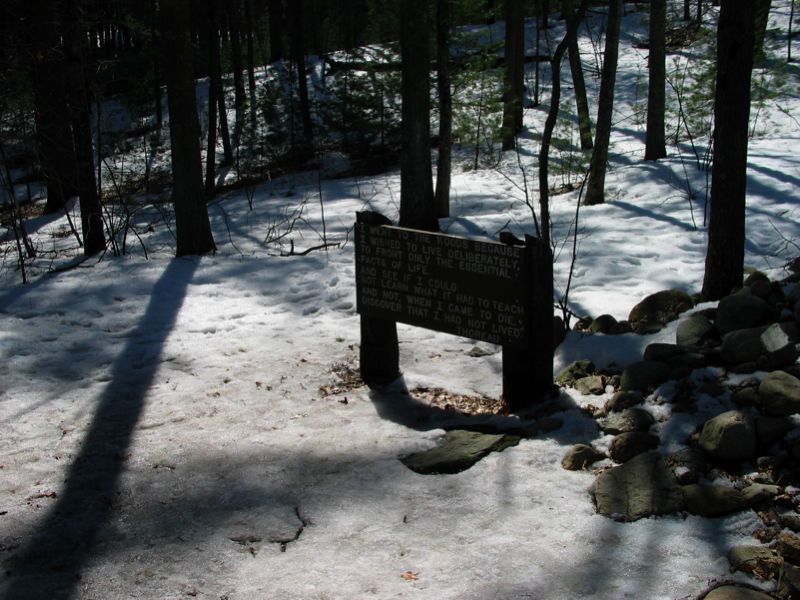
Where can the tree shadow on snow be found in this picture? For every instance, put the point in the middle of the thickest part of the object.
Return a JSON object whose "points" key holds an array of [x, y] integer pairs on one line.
{"points": [[49, 563]]}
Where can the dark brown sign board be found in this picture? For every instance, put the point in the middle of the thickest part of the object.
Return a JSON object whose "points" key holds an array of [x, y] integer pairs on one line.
{"points": [[488, 291], [470, 288]]}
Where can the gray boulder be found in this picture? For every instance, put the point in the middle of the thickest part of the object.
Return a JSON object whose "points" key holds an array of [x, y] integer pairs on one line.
{"points": [[707, 500], [735, 592], [631, 419], [580, 457], [644, 375], [458, 451], [778, 344], [779, 394], [675, 355], [741, 346], [575, 371], [740, 312], [642, 487], [661, 307], [623, 399], [729, 436], [603, 324], [591, 385], [694, 330], [632, 443]]}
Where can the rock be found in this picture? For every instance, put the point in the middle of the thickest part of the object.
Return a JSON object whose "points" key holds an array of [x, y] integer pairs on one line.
{"points": [[688, 465], [478, 352], [755, 276], [729, 436], [788, 545], [632, 443], [458, 451], [761, 288], [661, 307], [644, 375], [580, 457], [771, 430], [759, 492], [708, 500], [761, 561], [603, 324], [694, 330], [642, 487], [591, 385], [789, 582], [675, 355], [746, 396], [741, 346], [779, 394], [631, 419], [623, 399], [740, 312], [577, 370], [735, 592], [778, 344], [791, 521]]}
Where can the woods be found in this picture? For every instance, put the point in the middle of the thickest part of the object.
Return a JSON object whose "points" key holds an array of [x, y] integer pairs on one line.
{"points": [[285, 84]]}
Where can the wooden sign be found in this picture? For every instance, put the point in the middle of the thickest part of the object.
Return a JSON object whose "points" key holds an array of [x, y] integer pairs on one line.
{"points": [[466, 287]]}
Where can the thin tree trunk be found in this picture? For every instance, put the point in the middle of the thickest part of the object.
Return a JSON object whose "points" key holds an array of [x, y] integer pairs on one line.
{"points": [[251, 50], [417, 209], [227, 148], [154, 48], [573, 20], [444, 165], [193, 231], [761, 20], [53, 132], [514, 72], [213, 93], [655, 143], [579, 85], [724, 267], [239, 98], [595, 186], [298, 55], [789, 40], [94, 240], [275, 10]]}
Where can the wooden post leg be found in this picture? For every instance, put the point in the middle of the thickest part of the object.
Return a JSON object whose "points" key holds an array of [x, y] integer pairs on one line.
{"points": [[528, 372], [379, 352]]}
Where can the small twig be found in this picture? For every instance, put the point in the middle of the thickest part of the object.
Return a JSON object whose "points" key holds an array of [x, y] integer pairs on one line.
{"points": [[304, 522], [308, 250]]}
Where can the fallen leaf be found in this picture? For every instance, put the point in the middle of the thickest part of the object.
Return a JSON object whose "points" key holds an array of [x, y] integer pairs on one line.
{"points": [[410, 576]]}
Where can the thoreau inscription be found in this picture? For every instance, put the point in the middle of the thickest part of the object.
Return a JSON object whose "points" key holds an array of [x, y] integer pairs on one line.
{"points": [[461, 286]]}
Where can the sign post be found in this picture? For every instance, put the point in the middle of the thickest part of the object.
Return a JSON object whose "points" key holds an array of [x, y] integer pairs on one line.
{"points": [[488, 291]]}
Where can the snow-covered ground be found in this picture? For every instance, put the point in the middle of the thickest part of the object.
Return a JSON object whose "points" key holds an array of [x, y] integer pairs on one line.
{"points": [[164, 434]]}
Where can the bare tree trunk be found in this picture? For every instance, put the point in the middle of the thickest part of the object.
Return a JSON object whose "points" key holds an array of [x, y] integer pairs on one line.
{"points": [[94, 239], [576, 69], [724, 267], [193, 231], [761, 20], [298, 43], [595, 186], [514, 73], [444, 165], [53, 133], [239, 98], [275, 10], [655, 143], [417, 209], [212, 22]]}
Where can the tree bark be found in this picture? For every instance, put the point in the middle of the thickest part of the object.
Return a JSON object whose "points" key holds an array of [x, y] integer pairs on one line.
{"points": [[298, 43], [655, 142], [578, 83], [193, 231], [212, 22], [45, 64], [417, 209], [239, 98], [513, 81], [595, 186], [94, 239], [762, 8], [724, 267], [444, 164], [275, 10]]}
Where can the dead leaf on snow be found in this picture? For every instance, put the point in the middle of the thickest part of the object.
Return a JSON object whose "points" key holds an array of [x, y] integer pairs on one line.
{"points": [[410, 576]]}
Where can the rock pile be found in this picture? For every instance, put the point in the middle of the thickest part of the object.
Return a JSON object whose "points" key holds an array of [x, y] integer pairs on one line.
{"points": [[746, 458]]}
